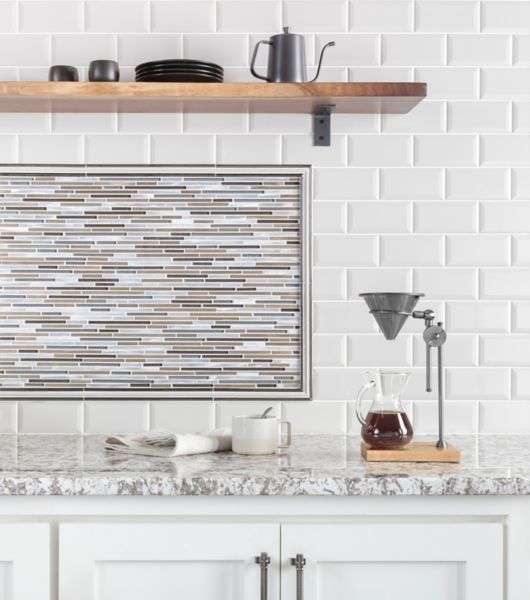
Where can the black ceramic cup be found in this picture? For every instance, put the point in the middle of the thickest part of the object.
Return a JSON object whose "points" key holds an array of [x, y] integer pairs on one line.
{"points": [[104, 70], [63, 73]]}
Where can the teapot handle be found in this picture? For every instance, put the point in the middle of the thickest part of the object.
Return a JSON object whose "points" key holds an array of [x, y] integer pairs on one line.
{"points": [[253, 60], [360, 397]]}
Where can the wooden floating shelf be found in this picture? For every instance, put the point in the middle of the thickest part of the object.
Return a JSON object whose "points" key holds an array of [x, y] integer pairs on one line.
{"points": [[19, 96]]}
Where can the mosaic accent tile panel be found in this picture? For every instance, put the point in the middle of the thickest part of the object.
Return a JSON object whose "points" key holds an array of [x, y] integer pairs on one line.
{"points": [[152, 284]]}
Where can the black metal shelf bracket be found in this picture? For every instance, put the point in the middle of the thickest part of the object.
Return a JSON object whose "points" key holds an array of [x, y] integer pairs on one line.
{"points": [[322, 125]]}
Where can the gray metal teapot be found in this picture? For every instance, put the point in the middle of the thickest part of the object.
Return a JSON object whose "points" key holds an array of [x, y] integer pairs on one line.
{"points": [[287, 60]]}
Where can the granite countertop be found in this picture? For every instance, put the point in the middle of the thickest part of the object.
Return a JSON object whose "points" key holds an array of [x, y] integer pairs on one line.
{"points": [[316, 465]]}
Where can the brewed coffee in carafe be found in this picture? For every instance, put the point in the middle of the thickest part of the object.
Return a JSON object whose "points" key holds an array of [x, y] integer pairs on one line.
{"points": [[386, 425]]}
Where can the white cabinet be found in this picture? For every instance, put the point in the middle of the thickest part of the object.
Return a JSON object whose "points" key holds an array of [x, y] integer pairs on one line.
{"points": [[395, 561], [189, 561], [24, 561]]}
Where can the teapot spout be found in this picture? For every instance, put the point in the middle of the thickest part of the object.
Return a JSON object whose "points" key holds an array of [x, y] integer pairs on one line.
{"points": [[328, 45]]}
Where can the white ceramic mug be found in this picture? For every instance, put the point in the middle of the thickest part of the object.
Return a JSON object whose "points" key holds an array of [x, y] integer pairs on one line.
{"points": [[253, 435]]}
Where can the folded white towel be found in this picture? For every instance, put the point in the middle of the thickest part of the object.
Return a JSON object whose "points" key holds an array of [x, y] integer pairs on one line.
{"points": [[166, 444]]}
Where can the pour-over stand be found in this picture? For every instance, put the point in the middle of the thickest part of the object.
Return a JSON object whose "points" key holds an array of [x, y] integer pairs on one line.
{"points": [[391, 310]]}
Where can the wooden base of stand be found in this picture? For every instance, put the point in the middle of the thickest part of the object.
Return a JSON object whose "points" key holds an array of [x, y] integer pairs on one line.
{"points": [[414, 452]]}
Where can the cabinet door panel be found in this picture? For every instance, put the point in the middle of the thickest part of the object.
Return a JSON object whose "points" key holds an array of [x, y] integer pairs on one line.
{"points": [[188, 561], [24, 561], [405, 561]]}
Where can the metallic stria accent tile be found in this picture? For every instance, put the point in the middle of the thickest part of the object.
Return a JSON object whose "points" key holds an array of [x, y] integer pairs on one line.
{"points": [[152, 282]]}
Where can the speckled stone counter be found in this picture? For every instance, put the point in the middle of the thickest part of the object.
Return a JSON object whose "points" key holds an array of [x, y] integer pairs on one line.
{"points": [[316, 465]]}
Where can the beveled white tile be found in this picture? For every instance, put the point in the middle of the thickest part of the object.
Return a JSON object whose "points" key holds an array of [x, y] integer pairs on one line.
{"points": [[8, 417], [181, 416], [49, 416], [316, 417], [116, 416], [226, 409]]}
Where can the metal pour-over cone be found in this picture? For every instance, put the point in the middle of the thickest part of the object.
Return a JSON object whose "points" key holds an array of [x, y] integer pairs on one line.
{"points": [[391, 310]]}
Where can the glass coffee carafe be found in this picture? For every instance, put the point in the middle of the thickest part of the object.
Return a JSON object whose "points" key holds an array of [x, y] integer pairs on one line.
{"points": [[386, 425]]}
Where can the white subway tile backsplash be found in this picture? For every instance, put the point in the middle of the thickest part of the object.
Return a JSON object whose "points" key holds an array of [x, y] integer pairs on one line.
{"points": [[337, 383], [330, 217], [182, 416], [79, 50], [316, 417], [49, 416], [505, 83], [521, 117], [509, 283], [378, 279], [506, 350], [505, 150], [521, 184], [478, 317], [447, 15], [259, 15], [226, 409], [504, 417], [136, 48], [506, 15], [8, 17], [461, 154], [184, 16], [101, 149], [478, 49], [521, 316], [29, 50], [110, 16], [329, 284], [478, 250], [372, 350], [150, 122], [521, 383], [309, 15], [413, 49], [450, 83], [460, 350], [116, 416], [345, 184], [182, 149], [379, 217], [345, 250], [342, 317], [445, 217], [227, 49], [478, 116], [448, 150], [459, 417], [9, 417], [299, 149], [477, 183], [381, 15], [280, 123], [380, 150], [447, 283], [427, 117], [53, 148], [477, 383], [248, 149], [521, 50], [329, 350], [505, 217], [351, 49], [521, 250], [412, 184], [45, 16], [403, 250]]}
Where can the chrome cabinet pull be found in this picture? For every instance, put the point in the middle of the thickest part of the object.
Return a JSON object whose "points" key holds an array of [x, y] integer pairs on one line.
{"points": [[263, 560], [299, 562]]}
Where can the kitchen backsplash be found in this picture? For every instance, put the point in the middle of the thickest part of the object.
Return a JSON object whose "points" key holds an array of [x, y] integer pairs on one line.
{"points": [[436, 201]]}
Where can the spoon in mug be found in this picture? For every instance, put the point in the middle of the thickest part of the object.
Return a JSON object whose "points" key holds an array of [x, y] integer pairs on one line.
{"points": [[266, 412]]}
